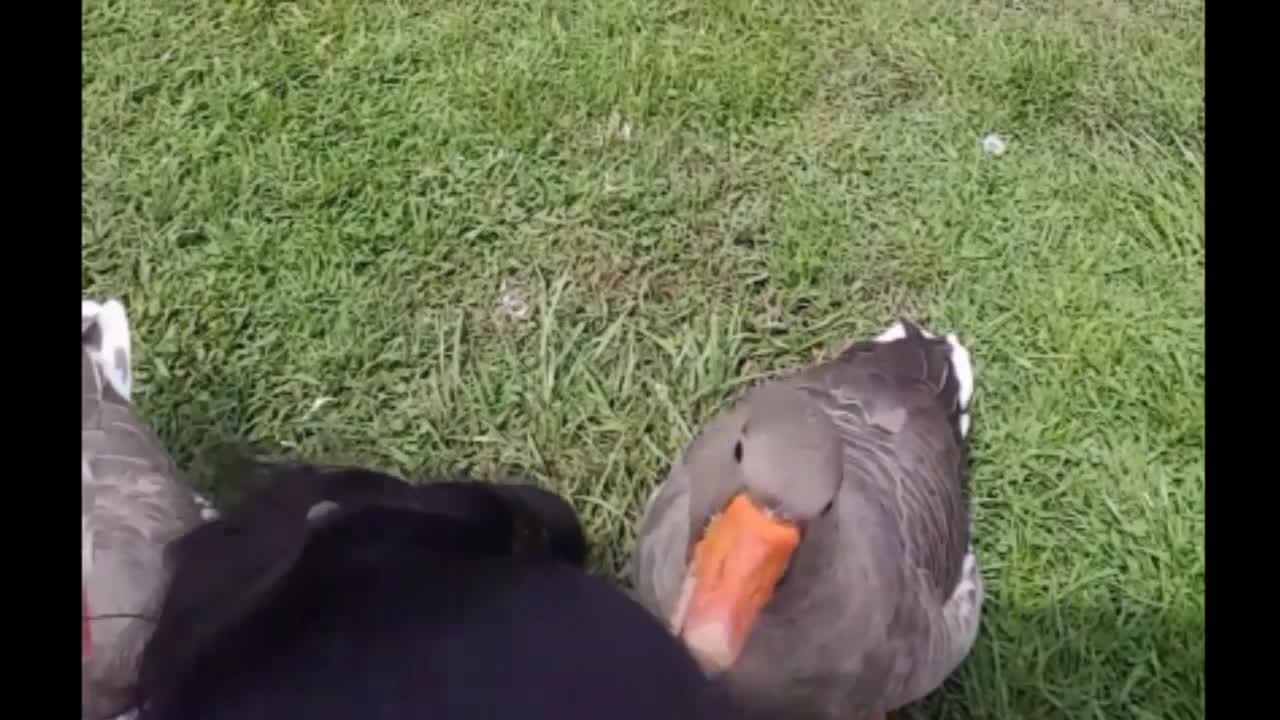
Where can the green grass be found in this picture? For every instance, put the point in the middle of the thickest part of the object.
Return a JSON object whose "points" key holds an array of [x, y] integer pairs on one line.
{"points": [[322, 200]]}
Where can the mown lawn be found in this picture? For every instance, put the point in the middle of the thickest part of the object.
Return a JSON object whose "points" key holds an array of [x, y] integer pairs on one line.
{"points": [[553, 236]]}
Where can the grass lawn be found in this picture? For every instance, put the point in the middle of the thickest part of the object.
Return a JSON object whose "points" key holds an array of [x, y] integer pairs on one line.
{"points": [[554, 236]]}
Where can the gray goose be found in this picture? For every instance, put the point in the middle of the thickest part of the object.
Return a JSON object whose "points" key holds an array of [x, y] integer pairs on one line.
{"points": [[133, 501], [812, 546]]}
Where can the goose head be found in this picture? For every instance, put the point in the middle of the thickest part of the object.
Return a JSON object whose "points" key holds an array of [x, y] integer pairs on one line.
{"points": [[758, 503]]}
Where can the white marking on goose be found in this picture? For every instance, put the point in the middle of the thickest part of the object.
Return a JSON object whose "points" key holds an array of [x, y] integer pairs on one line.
{"points": [[894, 332], [962, 363]]}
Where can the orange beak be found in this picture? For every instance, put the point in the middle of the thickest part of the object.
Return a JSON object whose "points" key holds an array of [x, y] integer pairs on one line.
{"points": [[736, 567]]}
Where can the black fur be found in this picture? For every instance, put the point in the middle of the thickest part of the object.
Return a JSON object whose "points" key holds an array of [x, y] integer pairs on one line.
{"points": [[447, 600]]}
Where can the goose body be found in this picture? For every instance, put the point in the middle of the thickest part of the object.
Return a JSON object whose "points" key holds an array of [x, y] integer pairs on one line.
{"points": [[133, 501], [812, 545]]}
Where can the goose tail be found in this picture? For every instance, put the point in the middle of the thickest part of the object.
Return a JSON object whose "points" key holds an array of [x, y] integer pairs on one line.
{"points": [[104, 335], [958, 383]]}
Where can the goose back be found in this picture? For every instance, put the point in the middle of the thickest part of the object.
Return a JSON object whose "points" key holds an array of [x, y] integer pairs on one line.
{"points": [[900, 406], [133, 501]]}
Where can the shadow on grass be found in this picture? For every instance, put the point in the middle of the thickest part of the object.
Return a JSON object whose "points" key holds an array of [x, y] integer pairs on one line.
{"points": [[206, 435], [1125, 661]]}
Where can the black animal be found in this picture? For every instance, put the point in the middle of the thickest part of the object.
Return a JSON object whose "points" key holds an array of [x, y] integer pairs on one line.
{"points": [[345, 593]]}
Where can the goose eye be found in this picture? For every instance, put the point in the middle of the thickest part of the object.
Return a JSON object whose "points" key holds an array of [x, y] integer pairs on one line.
{"points": [[830, 504], [737, 452]]}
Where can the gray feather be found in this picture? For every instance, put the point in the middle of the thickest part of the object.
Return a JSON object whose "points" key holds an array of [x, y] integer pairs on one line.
{"points": [[883, 598], [134, 500]]}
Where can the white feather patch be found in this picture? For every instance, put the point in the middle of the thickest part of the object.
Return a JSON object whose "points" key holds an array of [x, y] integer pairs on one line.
{"points": [[207, 510], [962, 364], [894, 332], [114, 357]]}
